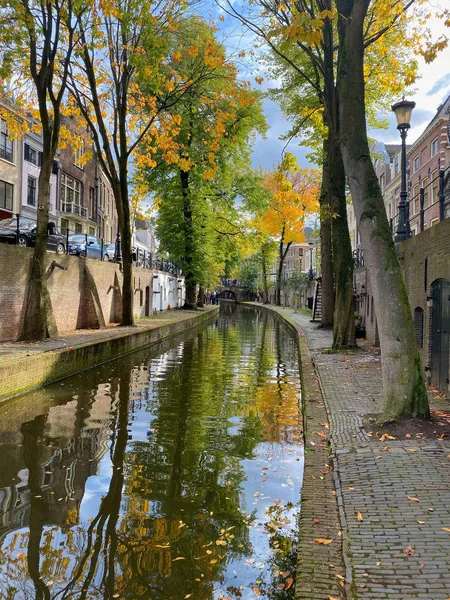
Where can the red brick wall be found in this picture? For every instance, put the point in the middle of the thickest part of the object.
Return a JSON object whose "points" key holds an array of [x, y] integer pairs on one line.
{"points": [[69, 290]]}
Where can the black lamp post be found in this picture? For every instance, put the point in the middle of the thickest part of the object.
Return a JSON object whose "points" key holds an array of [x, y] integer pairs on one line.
{"points": [[403, 112], [311, 270]]}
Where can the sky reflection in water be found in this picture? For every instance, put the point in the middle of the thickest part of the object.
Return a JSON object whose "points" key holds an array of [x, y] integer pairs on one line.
{"points": [[172, 473]]}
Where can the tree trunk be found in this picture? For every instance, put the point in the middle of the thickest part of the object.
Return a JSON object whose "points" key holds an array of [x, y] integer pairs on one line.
{"points": [[264, 274], [403, 382], [344, 319], [326, 261], [127, 250], [201, 293], [279, 272], [39, 322], [191, 284], [282, 255]]}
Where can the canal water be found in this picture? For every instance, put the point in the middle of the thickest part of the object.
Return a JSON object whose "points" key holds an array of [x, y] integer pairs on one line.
{"points": [[172, 473]]}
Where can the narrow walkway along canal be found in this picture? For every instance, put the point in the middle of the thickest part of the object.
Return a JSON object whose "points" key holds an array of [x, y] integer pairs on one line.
{"points": [[172, 473]]}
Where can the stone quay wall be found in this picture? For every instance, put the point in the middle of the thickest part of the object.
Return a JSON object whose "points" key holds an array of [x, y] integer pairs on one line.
{"points": [[85, 293]]}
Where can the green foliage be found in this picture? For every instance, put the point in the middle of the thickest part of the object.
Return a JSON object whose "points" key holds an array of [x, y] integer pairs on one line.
{"points": [[208, 169], [249, 273]]}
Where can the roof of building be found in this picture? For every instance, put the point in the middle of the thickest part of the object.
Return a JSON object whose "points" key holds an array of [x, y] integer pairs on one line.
{"points": [[393, 148], [443, 109]]}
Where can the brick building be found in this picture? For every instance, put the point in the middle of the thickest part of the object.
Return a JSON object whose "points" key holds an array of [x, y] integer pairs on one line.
{"points": [[106, 208], [429, 152], [77, 203]]}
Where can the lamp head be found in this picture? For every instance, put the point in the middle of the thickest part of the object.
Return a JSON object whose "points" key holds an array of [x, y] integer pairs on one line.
{"points": [[403, 110]]}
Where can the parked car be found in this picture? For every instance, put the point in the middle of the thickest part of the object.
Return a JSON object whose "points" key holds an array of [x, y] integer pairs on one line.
{"points": [[77, 246], [27, 234], [110, 252]]}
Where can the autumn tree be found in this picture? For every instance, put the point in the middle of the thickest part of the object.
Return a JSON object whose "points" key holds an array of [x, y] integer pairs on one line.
{"points": [[294, 195], [301, 37], [122, 82], [198, 176], [37, 41]]}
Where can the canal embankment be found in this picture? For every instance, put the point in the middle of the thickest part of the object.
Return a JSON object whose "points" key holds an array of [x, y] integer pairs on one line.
{"points": [[27, 366], [320, 569]]}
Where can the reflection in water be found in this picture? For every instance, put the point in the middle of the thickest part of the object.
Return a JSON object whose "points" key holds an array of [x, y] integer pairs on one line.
{"points": [[168, 473]]}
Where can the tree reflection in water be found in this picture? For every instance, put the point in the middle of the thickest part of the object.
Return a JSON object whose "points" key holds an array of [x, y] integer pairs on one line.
{"points": [[195, 445]]}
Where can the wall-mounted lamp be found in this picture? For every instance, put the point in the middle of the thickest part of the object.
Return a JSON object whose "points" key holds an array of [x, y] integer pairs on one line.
{"points": [[430, 301]]}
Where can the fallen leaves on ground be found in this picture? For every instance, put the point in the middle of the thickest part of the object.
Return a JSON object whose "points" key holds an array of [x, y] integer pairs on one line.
{"points": [[360, 517], [323, 541], [409, 551], [412, 499]]}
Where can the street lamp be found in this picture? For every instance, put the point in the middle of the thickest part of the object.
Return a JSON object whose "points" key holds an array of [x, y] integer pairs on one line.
{"points": [[403, 112], [311, 270]]}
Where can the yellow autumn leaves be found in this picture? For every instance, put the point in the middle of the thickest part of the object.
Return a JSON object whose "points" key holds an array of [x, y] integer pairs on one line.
{"points": [[294, 197]]}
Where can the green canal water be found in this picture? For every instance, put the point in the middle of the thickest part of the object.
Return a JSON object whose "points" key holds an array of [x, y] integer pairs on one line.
{"points": [[172, 473]]}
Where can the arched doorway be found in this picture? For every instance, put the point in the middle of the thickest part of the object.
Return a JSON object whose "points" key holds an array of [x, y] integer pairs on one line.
{"points": [[147, 301], [440, 329]]}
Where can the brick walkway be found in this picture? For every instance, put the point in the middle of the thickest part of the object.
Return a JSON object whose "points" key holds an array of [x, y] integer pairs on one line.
{"points": [[400, 549]]}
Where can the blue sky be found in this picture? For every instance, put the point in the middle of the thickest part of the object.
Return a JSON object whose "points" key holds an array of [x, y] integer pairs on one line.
{"points": [[430, 91]]}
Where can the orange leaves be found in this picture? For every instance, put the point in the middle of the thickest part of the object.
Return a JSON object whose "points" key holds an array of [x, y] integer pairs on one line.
{"points": [[323, 541]]}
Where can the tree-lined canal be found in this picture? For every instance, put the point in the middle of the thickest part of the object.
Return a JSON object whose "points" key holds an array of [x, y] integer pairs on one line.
{"points": [[173, 473]]}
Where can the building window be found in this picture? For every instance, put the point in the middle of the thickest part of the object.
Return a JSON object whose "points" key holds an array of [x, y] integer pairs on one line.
{"points": [[92, 211], [396, 166], [416, 163], [64, 225], [32, 156], [382, 182], [78, 157], [31, 193], [418, 326], [434, 147], [6, 144], [434, 222], [70, 191], [6, 195], [92, 231], [434, 186], [416, 199], [426, 190], [78, 228]]}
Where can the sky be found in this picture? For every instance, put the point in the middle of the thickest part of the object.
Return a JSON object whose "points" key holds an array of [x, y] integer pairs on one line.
{"points": [[431, 89]]}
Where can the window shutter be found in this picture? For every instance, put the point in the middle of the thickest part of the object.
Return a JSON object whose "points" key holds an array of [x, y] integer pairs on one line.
{"points": [[40, 154], [27, 152], [55, 166]]}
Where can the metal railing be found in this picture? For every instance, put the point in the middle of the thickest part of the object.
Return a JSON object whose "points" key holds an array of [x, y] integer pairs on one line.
{"points": [[358, 258], [442, 204], [87, 245], [75, 209]]}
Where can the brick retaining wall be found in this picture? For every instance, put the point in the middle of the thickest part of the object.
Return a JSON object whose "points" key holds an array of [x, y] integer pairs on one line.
{"points": [[84, 295]]}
